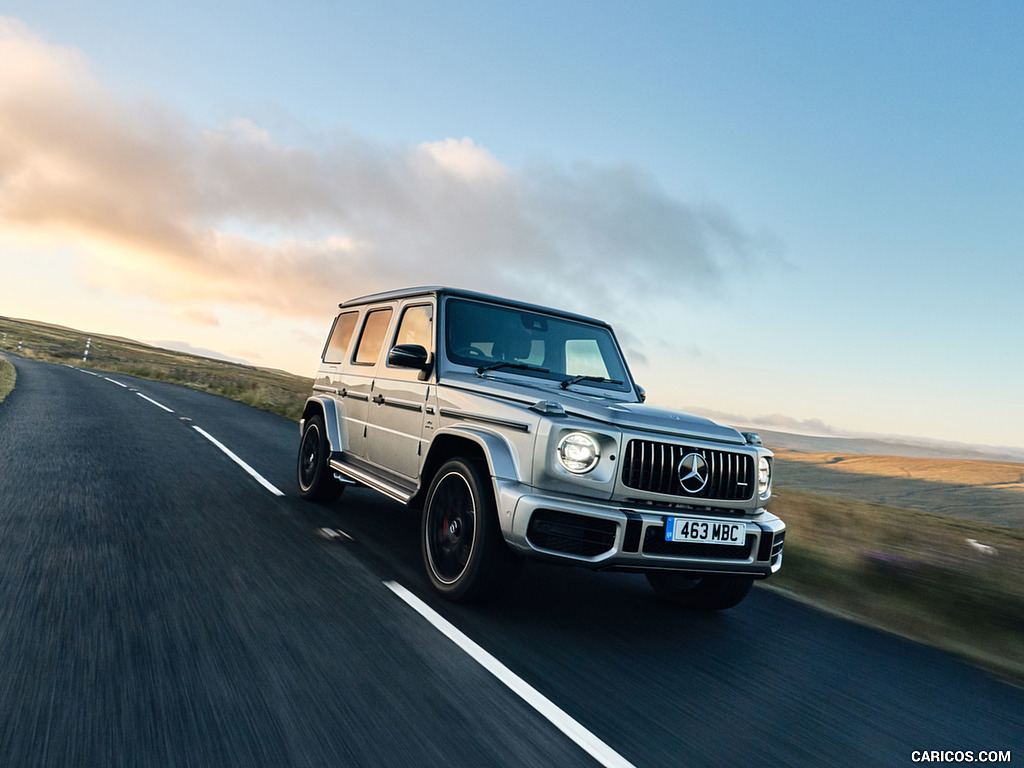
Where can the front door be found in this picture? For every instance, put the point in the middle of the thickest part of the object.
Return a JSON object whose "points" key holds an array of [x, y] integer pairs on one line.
{"points": [[402, 398]]}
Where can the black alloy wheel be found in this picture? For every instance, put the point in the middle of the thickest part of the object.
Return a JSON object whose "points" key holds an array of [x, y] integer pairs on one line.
{"points": [[316, 481], [465, 555]]}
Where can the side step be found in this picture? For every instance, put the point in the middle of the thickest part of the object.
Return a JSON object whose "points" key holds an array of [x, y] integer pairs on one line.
{"points": [[370, 481]]}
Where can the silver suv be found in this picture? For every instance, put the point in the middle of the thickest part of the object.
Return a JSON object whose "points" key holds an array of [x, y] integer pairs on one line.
{"points": [[519, 431]]}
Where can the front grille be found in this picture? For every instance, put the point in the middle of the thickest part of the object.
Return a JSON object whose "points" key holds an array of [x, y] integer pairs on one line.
{"points": [[655, 544], [571, 534], [654, 467]]}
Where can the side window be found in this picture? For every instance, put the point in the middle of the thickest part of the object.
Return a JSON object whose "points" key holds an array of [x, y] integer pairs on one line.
{"points": [[340, 337], [415, 327], [372, 338]]}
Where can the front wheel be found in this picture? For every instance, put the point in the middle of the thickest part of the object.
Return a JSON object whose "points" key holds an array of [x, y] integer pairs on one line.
{"points": [[316, 481], [710, 592], [465, 555]]}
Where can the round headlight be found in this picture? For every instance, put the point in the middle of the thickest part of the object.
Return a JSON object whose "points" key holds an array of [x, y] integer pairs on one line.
{"points": [[764, 475], [578, 452]]}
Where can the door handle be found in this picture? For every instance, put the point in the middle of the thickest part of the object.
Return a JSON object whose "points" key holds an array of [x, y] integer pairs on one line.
{"points": [[379, 399]]}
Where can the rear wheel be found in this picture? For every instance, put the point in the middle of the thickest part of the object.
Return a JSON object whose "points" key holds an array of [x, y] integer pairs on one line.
{"points": [[316, 481], [465, 555], [710, 592]]}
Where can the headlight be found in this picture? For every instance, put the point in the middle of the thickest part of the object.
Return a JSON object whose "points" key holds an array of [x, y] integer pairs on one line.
{"points": [[578, 452], [764, 475]]}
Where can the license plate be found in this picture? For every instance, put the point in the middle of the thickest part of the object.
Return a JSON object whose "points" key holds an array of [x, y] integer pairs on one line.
{"points": [[705, 531]]}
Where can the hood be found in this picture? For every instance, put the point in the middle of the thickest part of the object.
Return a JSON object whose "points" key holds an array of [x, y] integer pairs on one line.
{"points": [[641, 416], [609, 409]]}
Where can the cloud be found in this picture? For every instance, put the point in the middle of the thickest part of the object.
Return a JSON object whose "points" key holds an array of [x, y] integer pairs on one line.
{"points": [[184, 346], [194, 215], [799, 426], [200, 317]]}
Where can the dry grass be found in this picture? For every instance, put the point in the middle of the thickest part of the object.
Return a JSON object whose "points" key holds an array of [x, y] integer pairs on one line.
{"points": [[7, 378], [274, 391], [910, 572], [991, 474], [987, 492]]}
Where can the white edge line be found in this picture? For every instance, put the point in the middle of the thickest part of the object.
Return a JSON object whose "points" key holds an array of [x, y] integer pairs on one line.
{"points": [[115, 382], [559, 718], [154, 402], [256, 475]]}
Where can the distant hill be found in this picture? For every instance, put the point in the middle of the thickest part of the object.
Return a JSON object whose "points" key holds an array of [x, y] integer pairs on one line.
{"points": [[911, 448], [986, 491], [272, 390]]}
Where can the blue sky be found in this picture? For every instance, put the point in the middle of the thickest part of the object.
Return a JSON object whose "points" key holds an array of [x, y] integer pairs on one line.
{"points": [[803, 211]]}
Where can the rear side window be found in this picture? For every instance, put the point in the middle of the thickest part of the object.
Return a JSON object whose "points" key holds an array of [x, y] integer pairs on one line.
{"points": [[372, 338], [340, 337]]}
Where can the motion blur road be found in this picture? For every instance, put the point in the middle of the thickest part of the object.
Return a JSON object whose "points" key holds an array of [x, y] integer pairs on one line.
{"points": [[160, 606]]}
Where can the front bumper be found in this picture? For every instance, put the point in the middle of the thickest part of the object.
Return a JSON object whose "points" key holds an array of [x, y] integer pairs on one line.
{"points": [[610, 536]]}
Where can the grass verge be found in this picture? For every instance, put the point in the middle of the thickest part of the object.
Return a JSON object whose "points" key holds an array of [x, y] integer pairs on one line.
{"points": [[7, 378], [924, 576]]}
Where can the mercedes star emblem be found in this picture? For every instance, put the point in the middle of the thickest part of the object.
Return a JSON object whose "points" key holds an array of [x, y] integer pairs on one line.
{"points": [[693, 473]]}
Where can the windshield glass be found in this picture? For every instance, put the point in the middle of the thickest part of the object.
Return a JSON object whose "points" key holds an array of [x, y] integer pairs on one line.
{"points": [[533, 344]]}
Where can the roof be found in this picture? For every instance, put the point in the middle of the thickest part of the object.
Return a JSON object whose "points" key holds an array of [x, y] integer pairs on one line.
{"points": [[439, 291]]}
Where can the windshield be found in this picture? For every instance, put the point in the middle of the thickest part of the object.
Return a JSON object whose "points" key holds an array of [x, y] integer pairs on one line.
{"points": [[518, 341]]}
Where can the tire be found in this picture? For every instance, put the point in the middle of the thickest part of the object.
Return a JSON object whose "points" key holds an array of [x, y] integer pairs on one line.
{"points": [[316, 481], [710, 592], [465, 555]]}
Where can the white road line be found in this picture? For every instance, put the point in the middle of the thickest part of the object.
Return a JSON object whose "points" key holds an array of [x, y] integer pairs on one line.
{"points": [[154, 402], [115, 382], [596, 748], [259, 478]]}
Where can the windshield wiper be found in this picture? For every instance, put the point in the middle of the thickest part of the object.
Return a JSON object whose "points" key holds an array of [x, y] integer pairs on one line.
{"points": [[505, 364], [577, 379]]}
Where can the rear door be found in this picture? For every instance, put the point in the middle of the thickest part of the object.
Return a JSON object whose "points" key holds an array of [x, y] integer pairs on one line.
{"points": [[335, 360], [356, 384]]}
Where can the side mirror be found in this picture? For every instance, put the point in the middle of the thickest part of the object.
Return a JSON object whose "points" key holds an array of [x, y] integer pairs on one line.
{"points": [[642, 392], [409, 356]]}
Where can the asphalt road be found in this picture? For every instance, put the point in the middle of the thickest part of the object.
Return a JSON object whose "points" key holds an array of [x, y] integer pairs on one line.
{"points": [[160, 606]]}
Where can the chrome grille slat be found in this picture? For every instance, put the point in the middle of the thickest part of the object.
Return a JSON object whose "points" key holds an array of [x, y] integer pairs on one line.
{"points": [[663, 475], [650, 466]]}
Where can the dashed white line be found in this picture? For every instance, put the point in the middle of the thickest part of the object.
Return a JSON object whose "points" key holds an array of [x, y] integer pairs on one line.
{"points": [[592, 745], [154, 402], [258, 477]]}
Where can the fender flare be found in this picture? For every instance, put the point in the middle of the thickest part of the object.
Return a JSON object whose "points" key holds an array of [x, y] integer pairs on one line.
{"points": [[329, 410], [501, 461]]}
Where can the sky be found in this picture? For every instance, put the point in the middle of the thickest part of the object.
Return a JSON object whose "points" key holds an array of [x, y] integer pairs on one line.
{"points": [[805, 215]]}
